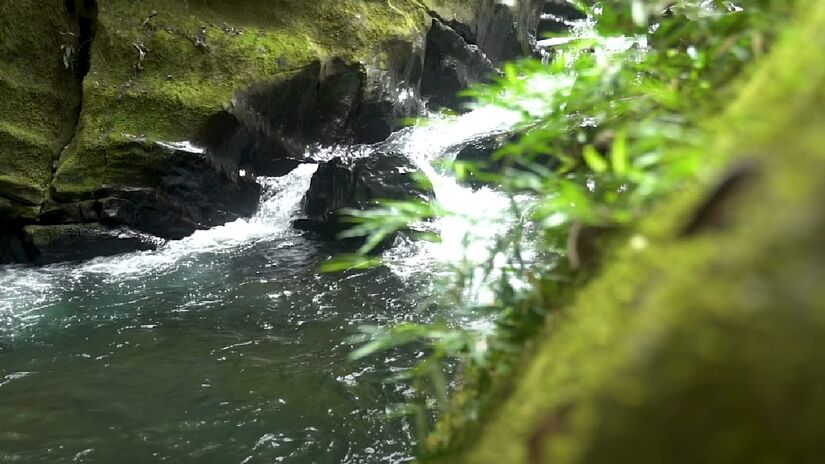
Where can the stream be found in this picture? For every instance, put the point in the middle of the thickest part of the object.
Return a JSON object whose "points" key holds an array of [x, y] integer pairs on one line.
{"points": [[229, 346]]}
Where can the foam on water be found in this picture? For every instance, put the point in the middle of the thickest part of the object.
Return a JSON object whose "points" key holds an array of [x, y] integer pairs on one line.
{"points": [[24, 291]]}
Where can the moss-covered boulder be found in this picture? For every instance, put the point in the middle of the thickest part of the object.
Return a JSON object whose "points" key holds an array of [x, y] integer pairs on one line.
{"points": [[703, 340], [144, 114]]}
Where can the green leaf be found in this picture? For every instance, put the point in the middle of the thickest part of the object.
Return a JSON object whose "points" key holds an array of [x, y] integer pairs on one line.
{"points": [[619, 154], [594, 160], [350, 262]]}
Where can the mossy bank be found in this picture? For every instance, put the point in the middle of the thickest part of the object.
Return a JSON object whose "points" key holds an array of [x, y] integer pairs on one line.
{"points": [[698, 341]]}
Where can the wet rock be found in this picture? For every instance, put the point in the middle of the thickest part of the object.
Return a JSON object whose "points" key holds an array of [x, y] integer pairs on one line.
{"points": [[557, 16], [482, 168], [505, 32], [451, 65], [499, 34], [482, 150], [155, 189], [12, 250], [390, 90], [73, 242], [271, 126], [479, 166], [356, 184]]}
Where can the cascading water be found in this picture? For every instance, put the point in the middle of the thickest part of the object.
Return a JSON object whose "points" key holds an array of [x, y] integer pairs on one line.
{"points": [[229, 345]]}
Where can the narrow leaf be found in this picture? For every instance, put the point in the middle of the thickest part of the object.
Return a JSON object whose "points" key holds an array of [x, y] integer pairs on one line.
{"points": [[594, 160], [619, 154]]}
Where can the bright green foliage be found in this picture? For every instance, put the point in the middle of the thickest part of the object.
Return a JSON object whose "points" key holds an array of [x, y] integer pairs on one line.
{"points": [[620, 119], [704, 347]]}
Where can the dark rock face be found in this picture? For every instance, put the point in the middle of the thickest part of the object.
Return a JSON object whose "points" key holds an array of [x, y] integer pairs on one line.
{"points": [[506, 33], [481, 166], [270, 126], [451, 65], [12, 249], [179, 194], [355, 184], [52, 244]]}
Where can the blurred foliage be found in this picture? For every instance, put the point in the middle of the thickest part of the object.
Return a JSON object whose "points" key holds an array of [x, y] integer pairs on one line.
{"points": [[610, 122]]}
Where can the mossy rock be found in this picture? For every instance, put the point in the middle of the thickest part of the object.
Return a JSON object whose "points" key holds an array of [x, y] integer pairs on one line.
{"points": [[39, 43], [155, 71], [52, 244], [705, 346], [161, 70]]}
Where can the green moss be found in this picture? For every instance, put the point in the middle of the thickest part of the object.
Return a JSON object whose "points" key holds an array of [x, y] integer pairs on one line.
{"points": [[40, 97], [159, 69], [195, 57], [705, 348], [124, 165]]}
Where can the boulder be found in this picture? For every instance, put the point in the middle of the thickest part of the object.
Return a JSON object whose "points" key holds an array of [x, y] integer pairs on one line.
{"points": [[166, 191], [557, 17], [477, 157], [481, 166], [270, 127], [499, 32], [97, 92], [451, 64], [12, 250], [355, 184], [72, 242]]}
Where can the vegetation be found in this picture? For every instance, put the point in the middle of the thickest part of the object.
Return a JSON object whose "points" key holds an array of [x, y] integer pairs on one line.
{"points": [[622, 135]]}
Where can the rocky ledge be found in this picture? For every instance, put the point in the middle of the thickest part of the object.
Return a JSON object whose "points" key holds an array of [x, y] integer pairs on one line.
{"points": [[142, 116]]}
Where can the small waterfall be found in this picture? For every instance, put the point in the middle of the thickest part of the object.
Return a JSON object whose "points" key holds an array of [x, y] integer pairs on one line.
{"points": [[24, 291], [475, 218]]}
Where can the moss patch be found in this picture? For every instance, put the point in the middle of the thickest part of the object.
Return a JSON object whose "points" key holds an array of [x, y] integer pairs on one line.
{"points": [[38, 45], [161, 68]]}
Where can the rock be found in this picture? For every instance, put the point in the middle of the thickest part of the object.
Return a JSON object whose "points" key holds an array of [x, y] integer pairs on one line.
{"points": [[40, 87], [53, 244], [12, 250], [478, 159], [450, 66], [557, 16], [356, 184], [258, 92], [153, 188], [390, 91], [481, 167], [271, 126], [507, 33]]}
